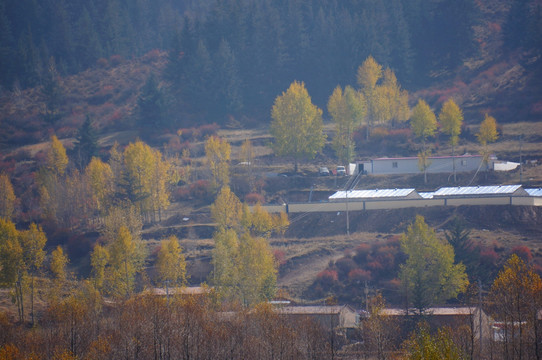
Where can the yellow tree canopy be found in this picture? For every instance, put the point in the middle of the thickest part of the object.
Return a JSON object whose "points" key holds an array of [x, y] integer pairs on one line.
{"points": [[59, 260], [7, 197], [171, 262], [297, 124], [347, 109], [488, 131], [218, 153], [57, 160], [451, 119], [101, 181], [429, 273], [368, 74], [423, 121]]}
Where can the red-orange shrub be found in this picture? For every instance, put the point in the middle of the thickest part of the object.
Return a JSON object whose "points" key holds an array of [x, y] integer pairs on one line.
{"points": [[359, 275], [327, 277], [523, 252], [254, 198], [280, 256], [201, 189]]}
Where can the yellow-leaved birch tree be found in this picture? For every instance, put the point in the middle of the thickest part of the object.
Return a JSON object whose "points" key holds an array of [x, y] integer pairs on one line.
{"points": [[346, 109], [451, 119], [297, 124], [423, 123], [218, 154], [7, 197], [487, 134]]}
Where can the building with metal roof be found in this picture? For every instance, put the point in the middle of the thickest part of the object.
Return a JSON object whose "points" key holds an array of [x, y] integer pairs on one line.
{"points": [[470, 191], [376, 194], [534, 192], [409, 165]]}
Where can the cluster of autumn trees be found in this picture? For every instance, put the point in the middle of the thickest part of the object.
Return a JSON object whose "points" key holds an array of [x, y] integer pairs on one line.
{"points": [[245, 268], [116, 197], [83, 326], [430, 273], [297, 124]]}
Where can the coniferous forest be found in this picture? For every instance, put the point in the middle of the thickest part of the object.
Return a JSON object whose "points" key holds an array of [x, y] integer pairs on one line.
{"points": [[233, 57]]}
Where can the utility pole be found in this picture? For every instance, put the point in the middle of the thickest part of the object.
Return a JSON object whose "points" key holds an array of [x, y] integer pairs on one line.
{"points": [[520, 158], [480, 313], [347, 215], [366, 297]]}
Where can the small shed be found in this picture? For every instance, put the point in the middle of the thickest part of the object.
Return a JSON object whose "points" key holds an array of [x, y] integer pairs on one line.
{"points": [[195, 291], [473, 318], [409, 165], [329, 317]]}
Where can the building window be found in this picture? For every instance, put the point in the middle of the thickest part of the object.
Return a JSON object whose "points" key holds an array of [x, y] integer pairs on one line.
{"points": [[463, 162], [394, 165]]}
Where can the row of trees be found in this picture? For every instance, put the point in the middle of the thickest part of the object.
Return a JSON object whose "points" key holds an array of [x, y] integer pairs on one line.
{"points": [[245, 268], [424, 125], [138, 176], [298, 128]]}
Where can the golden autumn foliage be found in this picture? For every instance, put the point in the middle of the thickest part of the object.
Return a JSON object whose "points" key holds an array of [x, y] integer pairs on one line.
{"points": [[369, 73], [386, 101], [451, 119], [101, 181], [57, 160], [423, 121], [515, 300], [124, 264], [59, 260], [146, 175], [488, 131], [218, 154], [244, 265], [99, 259], [7, 197], [297, 124], [429, 274], [347, 109], [226, 210], [171, 263]]}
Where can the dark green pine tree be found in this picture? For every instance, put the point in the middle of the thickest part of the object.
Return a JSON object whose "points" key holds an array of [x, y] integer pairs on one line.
{"points": [[7, 52], [459, 237], [515, 28], [88, 48], [28, 60], [227, 80], [151, 106], [197, 74], [52, 94], [86, 144]]}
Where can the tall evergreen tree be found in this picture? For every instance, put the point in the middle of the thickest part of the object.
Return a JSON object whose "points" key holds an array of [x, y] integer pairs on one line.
{"points": [[227, 80], [86, 143], [152, 106]]}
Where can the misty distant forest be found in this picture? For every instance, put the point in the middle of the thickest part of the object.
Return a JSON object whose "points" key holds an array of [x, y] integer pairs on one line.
{"points": [[234, 57]]}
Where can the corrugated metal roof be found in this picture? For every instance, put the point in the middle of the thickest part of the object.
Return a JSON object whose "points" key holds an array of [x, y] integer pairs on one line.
{"points": [[534, 192], [308, 310], [427, 195], [477, 190], [430, 157], [371, 194], [432, 311]]}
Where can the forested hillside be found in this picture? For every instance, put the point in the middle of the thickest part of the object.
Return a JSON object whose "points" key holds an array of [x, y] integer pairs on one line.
{"points": [[234, 57]]}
